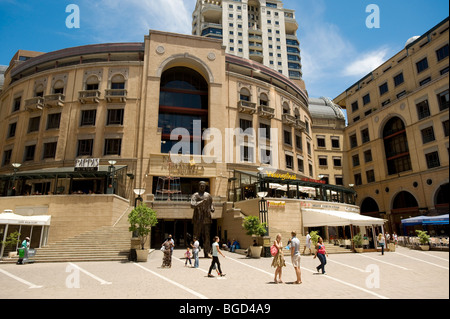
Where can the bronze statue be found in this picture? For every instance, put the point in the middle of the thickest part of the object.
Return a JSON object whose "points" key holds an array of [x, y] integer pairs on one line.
{"points": [[202, 203]]}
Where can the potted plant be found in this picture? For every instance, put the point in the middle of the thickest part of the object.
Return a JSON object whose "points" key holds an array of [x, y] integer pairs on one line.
{"points": [[142, 219], [11, 241], [314, 240], [254, 227], [358, 242], [424, 239]]}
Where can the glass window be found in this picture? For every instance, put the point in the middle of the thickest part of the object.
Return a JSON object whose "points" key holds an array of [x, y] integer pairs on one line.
{"points": [[33, 125], [88, 117], [399, 79], [422, 65], [433, 160], [115, 117], [49, 150], [443, 99], [423, 109], [53, 121], [113, 146], [85, 147]]}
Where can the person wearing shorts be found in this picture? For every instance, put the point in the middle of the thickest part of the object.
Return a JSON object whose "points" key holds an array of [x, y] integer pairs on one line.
{"points": [[295, 256]]}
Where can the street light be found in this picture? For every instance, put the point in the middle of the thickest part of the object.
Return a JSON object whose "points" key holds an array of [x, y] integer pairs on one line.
{"points": [[138, 192], [16, 168]]}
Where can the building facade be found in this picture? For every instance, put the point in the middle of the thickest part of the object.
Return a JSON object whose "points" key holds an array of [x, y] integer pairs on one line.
{"points": [[262, 31], [397, 139]]}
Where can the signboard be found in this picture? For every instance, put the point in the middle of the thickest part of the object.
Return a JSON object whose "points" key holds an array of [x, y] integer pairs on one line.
{"points": [[87, 164]]}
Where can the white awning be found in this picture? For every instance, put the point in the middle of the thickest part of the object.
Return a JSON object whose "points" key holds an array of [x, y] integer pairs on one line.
{"points": [[14, 219], [316, 218]]}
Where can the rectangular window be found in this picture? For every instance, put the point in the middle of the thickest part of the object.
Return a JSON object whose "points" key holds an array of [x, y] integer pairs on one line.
{"points": [[289, 161], [7, 157], [115, 117], [16, 104], [398, 79], [53, 121], [428, 135], [423, 110], [266, 156], [335, 142], [323, 161], [298, 142], [33, 125], [425, 81], [247, 154], [432, 160], [383, 88], [366, 99], [353, 141], [50, 150], [337, 162], [29, 153], [370, 175], [287, 138], [358, 179], [443, 100], [339, 180], [12, 130], [422, 65], [365, 136], [88, 117], [246, 124], [355, 106], [264, 131], [368, 156], [321, 142], [113, 146], [355, 160], [300, 165], [445, 125], [442, 53], [85, 147]]}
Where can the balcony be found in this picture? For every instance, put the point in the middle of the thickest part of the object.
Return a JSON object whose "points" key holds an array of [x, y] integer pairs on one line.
{"points": [[247, 107], [289, 120], [34, 104], [116, 95], [54, 100], [266, 111], [256, 56], [90, 96], [300, 125]]}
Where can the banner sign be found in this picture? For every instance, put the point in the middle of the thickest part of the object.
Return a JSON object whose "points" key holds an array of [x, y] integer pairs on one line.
{"points": [[87, 164]]}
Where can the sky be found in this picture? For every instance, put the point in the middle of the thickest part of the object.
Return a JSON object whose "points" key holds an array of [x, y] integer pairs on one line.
{"points": [[337, 46]]}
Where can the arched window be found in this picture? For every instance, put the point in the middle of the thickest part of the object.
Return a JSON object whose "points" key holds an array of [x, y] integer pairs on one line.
{"points": [[58, 87], [39, 90], [92, 83], [369, 206], [118, 82], [245, 95], [286, 108], [183, 100], [396, 146], [442, 200], [263, 99]]}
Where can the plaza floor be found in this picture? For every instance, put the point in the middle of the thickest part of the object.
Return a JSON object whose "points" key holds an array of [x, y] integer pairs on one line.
{"points": [[404, 274]]}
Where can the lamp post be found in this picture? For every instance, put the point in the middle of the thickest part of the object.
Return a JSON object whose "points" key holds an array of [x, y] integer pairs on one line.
{"points": [[12, 191], [138, 192], [110, 189]]}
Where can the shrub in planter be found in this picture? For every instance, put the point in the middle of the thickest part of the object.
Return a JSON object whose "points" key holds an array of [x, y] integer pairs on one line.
{"points": [[254, 227], [142, 219], [358, 241], [424, 239]]}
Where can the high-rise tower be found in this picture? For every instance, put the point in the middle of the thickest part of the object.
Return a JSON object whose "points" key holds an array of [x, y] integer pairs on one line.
{"points": [[259, 30]]}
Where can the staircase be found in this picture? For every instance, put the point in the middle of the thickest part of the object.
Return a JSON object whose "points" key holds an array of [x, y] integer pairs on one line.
{"points": [[104, 244]]}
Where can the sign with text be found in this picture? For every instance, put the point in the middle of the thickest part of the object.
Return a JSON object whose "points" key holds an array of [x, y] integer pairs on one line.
{"points": [[87, 164]]}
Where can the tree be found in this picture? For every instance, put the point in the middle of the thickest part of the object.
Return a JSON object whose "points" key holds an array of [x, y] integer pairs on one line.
{"points": [[253, 226], [142, 219]]}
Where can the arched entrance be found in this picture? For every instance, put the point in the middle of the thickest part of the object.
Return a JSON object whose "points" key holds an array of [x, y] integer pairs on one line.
{"points": [[442, 200], [369, 207], [404, 206]]}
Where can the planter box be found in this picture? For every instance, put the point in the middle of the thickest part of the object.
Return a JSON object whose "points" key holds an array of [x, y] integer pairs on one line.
{"points": [[424, 247], [359, 250], [256, 251], [142, 254]]}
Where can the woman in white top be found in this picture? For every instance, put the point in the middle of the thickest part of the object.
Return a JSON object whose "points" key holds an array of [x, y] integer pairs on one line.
{"points": [[381, 242]]}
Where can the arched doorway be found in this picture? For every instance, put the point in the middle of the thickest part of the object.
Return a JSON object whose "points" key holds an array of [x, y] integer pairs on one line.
{"points": [[396, 147], [442, 200], [404, 206], [369, 207]]}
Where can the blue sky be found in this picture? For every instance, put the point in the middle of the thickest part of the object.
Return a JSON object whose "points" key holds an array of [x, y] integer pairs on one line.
{"points": [[337, 47]]}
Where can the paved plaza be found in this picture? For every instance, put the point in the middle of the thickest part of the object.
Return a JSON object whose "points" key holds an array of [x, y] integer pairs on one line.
{"points": [[404, 274]]}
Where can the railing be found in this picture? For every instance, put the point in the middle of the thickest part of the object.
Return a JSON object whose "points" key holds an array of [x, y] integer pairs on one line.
{"points": [[35, 103], [266, 111], [89, 96], [116, 95], [246, 107], [289, 119], [54, 99]]}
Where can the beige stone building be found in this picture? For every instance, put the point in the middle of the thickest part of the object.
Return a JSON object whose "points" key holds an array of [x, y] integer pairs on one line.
{"points": [[397, 139]]}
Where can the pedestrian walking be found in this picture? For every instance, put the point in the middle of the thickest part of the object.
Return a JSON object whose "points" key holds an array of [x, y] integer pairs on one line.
{"points": [[321, 253], [215, 255], [307, 243], [195, 251], [167, 248], [187, 255], [295, 256], [278, 260], [25, 246], [381, 242]]}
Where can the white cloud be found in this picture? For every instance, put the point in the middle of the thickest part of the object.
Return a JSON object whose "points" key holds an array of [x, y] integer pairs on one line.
{"points": [[366, 63]]}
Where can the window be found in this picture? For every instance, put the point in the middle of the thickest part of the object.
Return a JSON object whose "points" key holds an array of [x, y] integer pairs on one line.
{"points": [[355, 106], [432, 159], [113, 146], [425, 81], [396, 146], [33, 125], [247, 154], [358, 179], [335, 142], [6, 157], [442, 53], [246, 124], [365, 136], [12, 130], [264, 131], [353, 141], [366, 99], [445, 125], [355, 160], [29, 153], [311, 171], [88, 117], [289, 161], [323, 161], [85, 147], [115, 117], [287, 138], [16, 104], [368, 156], [321, 142], [266, 156], [398, 79], [337, 162], [58, 87], [49, 150], [53, 121], [339, 180], [370, 175], [383, 88], [300, 165], [423, 109], [308, 147], [402, 93], [298, 142], [422, 65], [428, 135], [92, 83], [118, 82], [443, 100]]}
